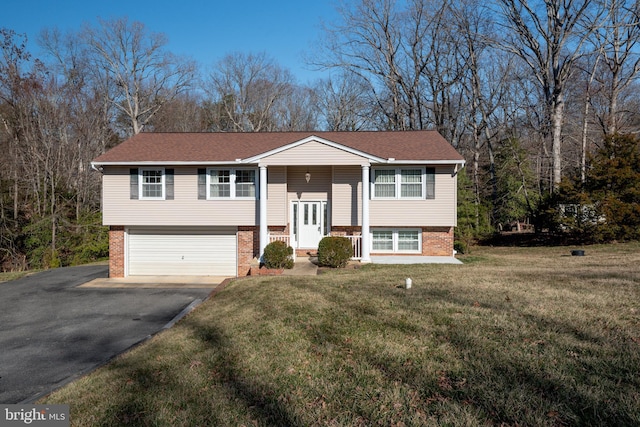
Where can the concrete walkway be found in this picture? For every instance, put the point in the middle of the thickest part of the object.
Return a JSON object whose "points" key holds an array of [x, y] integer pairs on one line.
{"points": [[307, 266], [415, 260], [157, 282], [303, 266]]}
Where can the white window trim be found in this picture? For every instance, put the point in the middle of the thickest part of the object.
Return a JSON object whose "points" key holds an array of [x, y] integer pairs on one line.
{"points": [[141, 184], [232, 184], [398, 183], [395, 232]]}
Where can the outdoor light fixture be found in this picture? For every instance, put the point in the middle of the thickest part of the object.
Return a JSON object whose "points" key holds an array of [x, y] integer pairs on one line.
{"points": [[307, 176]]}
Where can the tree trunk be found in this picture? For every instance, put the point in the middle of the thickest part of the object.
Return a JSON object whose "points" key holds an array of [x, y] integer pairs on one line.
{"points": [[15, 195], [557, 115]]}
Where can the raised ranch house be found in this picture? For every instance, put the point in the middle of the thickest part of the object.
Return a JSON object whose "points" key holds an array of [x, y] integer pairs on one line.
{"points": [[209, 203]]}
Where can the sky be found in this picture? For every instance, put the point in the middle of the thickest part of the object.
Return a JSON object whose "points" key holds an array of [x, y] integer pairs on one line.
{"points": [[202, 30]]}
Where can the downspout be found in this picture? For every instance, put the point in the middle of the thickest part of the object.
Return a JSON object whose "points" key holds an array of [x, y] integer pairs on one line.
{"points": [[264, 231]]}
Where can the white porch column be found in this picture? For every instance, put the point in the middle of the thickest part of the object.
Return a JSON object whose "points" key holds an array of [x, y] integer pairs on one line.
{"points": [[264, 230], [366, 244]]}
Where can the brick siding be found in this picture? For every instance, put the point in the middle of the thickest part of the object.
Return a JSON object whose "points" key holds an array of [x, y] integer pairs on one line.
{"points": [[116, 251], [248, 248], [437, 241]]}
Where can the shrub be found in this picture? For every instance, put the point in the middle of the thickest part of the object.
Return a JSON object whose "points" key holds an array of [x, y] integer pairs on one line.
{"points": [[460, 247], [334, 251], [278, 254]]}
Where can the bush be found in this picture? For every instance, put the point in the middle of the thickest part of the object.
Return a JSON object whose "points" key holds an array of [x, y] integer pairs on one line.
{"points": [[460, 247], [334, 251], [278, 254]]}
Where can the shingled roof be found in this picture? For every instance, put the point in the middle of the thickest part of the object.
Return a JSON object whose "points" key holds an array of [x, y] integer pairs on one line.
{"points": [[228, 147]]}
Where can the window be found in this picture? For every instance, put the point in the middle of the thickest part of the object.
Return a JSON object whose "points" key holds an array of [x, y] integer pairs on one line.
{"points": [[382, 240], [384, 183], [411, 183], [231, 183], [408, 241], [396, 240], [403, 183], [219, 183], [152, 183], [246, 183]]}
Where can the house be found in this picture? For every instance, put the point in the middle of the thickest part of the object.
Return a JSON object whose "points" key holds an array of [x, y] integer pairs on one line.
{"points": [[209, 203]]}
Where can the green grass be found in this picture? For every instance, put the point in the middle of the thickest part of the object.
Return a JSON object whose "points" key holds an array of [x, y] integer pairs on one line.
{"points": [[515, 336]]}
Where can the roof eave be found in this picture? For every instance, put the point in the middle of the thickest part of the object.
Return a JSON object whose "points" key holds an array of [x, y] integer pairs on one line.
{"points": [[337, 145], [431, 162], [96, 165]]}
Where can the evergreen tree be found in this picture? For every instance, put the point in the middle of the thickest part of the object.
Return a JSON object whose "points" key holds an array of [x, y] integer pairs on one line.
{"points": [[473, 218], [606, 206], [613, 184], [517, 197]]}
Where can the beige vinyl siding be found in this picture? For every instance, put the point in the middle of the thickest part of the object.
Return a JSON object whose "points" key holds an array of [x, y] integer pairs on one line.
{"points": [[440, 211], [337, 184], [318, 188], [313, 153], [277, 195], [346, 202], [184, 210]]}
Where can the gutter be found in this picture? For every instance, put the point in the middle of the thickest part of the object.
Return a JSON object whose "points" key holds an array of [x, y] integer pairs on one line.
{"points": [[98, 166]]}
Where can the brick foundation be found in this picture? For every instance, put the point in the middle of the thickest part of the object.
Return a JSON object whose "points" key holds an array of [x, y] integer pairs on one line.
{"points": [[248, 248], [346, 231], [249, 245], [116, 251], [437, 241]]}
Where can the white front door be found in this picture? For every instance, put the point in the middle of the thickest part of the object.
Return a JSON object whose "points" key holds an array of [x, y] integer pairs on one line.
{"points": [[310, 224]]}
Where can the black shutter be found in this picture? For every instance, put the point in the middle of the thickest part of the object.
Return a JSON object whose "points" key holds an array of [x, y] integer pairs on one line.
{"points": [[133, 184], [168, 184], [431, 183], [202, 184]]}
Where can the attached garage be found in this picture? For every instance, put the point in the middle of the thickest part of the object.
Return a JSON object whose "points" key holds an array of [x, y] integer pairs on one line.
{"points": [[182, 251]]}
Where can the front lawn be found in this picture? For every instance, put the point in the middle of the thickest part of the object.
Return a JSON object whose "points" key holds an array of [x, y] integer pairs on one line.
{"points": [[514, 336]]}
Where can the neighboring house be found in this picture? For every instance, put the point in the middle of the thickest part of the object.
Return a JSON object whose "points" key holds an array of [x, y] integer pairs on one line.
{"points": [[209, 203]]}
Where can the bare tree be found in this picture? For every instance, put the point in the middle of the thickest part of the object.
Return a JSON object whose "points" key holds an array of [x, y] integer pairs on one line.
{"points": [[343, 103], [616, 40], [184, 113], [549, 38], [369, 43], [145, 75], [484, 87], [245, 90], [89, 114], [297, 111]]}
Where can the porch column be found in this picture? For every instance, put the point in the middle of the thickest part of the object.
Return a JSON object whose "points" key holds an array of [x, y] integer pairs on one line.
{"points": [[264, 230], [366, 244]]}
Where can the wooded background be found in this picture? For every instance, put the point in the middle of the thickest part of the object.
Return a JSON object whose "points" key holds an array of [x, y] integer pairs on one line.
{"points": [[541, 98]]}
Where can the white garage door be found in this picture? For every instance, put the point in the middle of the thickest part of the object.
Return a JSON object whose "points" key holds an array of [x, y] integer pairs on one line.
{"points": [[189, 252]]}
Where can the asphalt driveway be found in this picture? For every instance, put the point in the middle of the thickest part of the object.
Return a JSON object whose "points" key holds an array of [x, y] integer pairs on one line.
{"points": [[53, 331]]}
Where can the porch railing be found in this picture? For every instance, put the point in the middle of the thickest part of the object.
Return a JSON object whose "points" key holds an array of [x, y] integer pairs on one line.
{"points": [[356, 244], [281, 238]]}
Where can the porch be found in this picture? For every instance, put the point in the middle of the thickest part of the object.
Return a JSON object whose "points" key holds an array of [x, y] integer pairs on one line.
{"points": [[356, 244]]}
